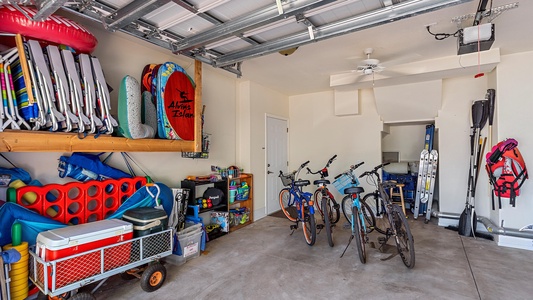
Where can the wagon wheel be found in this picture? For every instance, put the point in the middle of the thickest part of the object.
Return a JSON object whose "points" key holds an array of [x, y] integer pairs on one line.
{"points": [[153, 277], [83, 296]]}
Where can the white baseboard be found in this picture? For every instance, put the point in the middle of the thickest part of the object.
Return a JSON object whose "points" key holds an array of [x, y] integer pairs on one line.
{"points": [[515, 242]]}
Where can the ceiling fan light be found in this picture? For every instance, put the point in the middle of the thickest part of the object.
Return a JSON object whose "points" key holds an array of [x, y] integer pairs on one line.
{"points": [[368, 71]]}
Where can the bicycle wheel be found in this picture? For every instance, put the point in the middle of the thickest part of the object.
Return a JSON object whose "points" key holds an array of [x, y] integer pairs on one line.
{"points": [[334, 211], [346, 205], [377, 206], [286, 202], [317, 199], [359, 234], [370, 219], [326, 208], [309, 227], [404, 238]]}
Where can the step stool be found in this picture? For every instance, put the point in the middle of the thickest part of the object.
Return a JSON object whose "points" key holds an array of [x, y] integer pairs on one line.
{"points": [[399, 192]]}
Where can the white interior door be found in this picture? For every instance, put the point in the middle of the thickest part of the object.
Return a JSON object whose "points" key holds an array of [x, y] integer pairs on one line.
{"points": [[277, 159]]}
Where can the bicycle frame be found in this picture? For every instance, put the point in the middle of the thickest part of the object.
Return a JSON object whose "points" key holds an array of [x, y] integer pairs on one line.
{"points": [[322, 185], [387, 204], [357, 203], [297, 197], [293, 196]]}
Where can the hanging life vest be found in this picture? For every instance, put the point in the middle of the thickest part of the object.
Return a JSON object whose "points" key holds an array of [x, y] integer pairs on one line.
{"points": [[507, 171]]}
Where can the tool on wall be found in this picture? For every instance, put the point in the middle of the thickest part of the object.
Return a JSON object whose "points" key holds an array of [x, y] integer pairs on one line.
{"points": [[468, 219]]}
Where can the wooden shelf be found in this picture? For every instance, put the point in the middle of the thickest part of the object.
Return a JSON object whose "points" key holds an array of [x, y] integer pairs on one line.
{"points": [[237, 227], [218, 207], [42, 141]]}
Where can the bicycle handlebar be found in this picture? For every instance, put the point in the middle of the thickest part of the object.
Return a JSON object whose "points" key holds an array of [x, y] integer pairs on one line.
{"points": [[356, 165], [325, 168], [331, 160], [374, 171], [295, 171], [352, 167]]}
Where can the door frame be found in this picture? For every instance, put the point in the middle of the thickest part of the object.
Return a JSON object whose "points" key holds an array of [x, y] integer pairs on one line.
{"points": [[267, 115]]}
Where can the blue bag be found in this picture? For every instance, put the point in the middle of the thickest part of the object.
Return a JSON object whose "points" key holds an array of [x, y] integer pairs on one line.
{"points": [[84, 167], [15, 172]]}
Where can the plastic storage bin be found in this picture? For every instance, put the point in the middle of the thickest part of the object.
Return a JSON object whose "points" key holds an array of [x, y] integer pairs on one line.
{"points": [[189, 244]]}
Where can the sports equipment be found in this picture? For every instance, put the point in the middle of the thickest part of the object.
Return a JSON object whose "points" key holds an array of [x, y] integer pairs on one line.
{"points": [[175, 103], [130, 110], [507, 171]]}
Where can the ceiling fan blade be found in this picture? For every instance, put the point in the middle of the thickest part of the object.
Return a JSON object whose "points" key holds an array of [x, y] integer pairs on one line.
{"points": [[390, 73], [399, 60]]}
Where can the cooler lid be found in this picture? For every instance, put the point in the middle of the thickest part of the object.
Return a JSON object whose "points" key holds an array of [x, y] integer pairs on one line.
{"points": [[83, 233], [144, 214]]}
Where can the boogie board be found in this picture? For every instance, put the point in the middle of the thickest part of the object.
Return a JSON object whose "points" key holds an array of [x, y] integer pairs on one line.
{"points": [[146, 78], [130, 111], [175, 103]]}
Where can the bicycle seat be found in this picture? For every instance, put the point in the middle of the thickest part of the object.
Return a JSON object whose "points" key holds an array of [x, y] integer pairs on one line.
{"points": [[301, 182], [321, 181], [354, 190]]}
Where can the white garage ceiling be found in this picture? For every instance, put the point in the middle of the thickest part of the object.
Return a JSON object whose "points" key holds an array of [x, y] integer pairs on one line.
{"points": [[244, 37]]}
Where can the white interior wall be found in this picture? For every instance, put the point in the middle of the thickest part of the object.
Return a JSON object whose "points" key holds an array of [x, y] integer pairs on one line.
{"points": [[514, 90], [263, 101], [406, 139], [453, 124], [316, 134]]}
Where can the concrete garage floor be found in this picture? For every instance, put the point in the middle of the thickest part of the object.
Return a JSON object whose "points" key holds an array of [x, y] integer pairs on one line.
{"points": [[262, 261]]}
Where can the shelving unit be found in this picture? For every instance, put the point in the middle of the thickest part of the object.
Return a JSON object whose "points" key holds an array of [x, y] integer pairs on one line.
{"points": [[225, 206], [194, 186], [43, 141], [248, 178]]}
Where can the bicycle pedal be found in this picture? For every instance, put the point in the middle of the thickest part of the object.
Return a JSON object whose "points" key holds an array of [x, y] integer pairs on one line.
{"points": [[294, 227], [320, 226], [382, 240]]}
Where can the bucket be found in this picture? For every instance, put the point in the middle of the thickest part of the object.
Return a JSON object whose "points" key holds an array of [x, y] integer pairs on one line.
{"points": [[232, 193]]}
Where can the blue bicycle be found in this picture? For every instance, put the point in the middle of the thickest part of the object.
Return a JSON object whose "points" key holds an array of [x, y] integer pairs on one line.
{"points": [[297, 205], [358, 213]]}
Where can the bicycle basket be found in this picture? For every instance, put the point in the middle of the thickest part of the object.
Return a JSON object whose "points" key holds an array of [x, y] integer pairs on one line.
{"points": [[287, 179], [345, 181]]}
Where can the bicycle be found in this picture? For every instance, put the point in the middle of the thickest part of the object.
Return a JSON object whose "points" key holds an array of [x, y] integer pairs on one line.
{"points": [[349, 179], [297, 205], [325, 202], [392, 222], [361, 217]]}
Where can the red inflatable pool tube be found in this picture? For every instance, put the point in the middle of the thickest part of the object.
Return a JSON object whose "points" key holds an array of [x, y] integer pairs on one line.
{"points": [[54, 29]]}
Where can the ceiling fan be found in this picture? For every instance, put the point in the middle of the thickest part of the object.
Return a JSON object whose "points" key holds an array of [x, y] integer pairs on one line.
{"points": [[369, 66]]}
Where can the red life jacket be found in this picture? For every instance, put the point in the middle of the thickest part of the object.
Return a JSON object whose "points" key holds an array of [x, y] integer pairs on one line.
{"points": [[507, 171]]}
